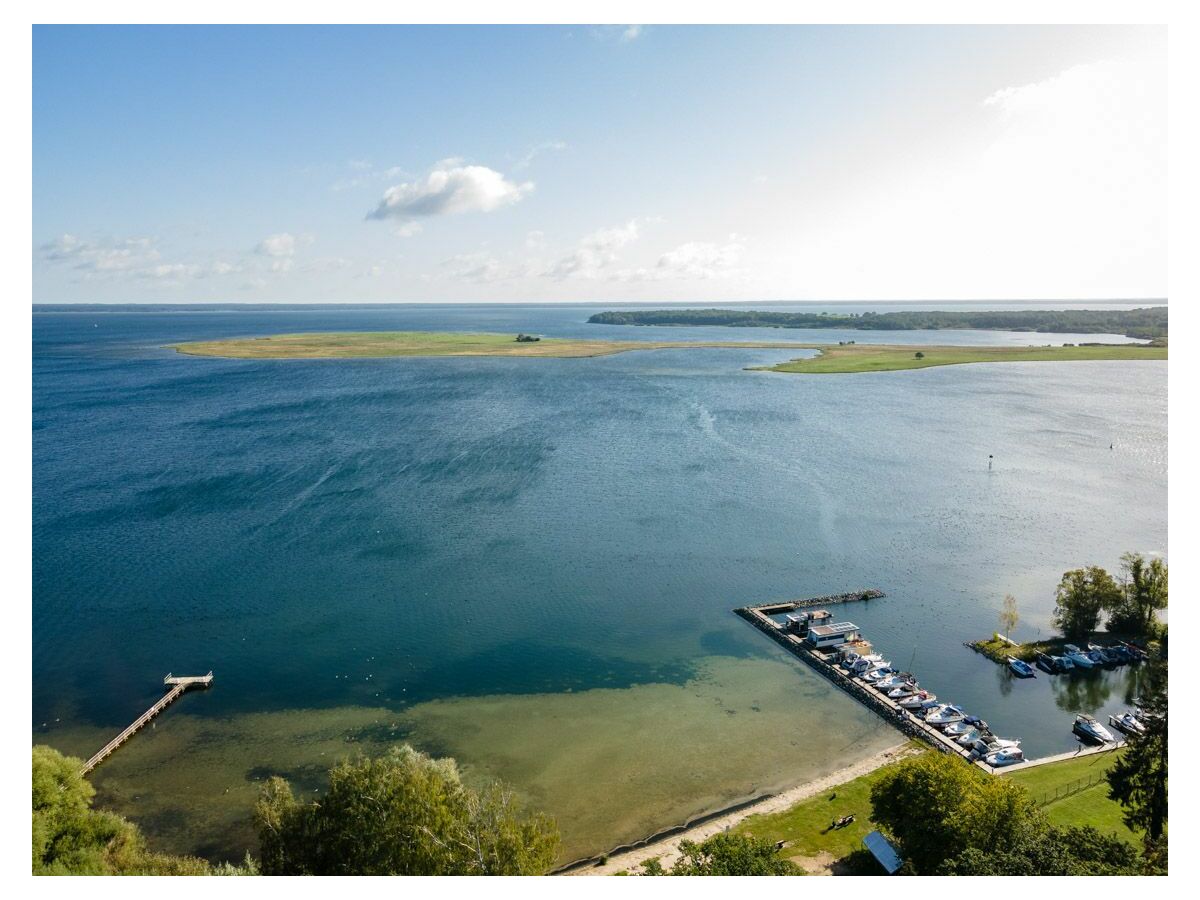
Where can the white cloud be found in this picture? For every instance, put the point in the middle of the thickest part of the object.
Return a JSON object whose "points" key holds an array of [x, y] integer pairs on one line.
{"points": [[280, 249], [408, 229], [537, 150], [596, 253], [535, 240], [278, 246], [450, 188], [101, 256], [697, 259], [631, 33]]}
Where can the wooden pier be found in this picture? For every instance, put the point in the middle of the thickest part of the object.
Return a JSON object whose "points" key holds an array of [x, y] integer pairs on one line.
{"points": [[176, 685]]}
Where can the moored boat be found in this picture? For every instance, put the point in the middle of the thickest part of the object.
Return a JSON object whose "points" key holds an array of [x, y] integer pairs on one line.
{"points": [[917, 699], [1006, 756], [968, 737], [1078, 657], [945, 715], [900, 691], [1128, 723], [1021, 668], [1090, 730]]}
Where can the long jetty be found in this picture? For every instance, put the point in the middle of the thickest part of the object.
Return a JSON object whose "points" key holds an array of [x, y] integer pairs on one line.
{"points": [[905, 720], [176, 685]]}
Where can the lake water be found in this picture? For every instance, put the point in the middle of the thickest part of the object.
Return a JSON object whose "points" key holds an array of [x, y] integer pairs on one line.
{"points": [[530, 564]]}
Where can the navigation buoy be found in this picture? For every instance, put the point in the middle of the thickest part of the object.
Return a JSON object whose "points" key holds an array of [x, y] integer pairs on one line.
{"points": [[989, 462]]}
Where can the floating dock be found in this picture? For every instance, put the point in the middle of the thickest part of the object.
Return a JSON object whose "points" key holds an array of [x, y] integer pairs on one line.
{"points": [[176, 685]]}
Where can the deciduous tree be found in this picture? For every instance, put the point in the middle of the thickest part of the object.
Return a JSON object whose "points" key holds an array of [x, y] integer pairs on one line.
{"points": [[1081, 598], [403, 813]]}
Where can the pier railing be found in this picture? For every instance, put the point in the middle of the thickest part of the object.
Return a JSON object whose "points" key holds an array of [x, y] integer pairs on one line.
{"points": [[177, 684]]}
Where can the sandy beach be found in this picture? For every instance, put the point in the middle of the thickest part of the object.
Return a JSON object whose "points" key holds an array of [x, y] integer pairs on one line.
{"points": [[667, 849]]}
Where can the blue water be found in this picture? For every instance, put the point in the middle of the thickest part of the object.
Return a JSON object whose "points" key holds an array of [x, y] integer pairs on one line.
{"points": [[521, 526]]}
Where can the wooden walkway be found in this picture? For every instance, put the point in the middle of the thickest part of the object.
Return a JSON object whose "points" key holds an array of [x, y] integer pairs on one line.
{"points": [[177, 685]]}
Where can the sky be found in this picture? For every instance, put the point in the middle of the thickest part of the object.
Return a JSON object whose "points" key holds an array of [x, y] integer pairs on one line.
{"points": [[607, 163]]}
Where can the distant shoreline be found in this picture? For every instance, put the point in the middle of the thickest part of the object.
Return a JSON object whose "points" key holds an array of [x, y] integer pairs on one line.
{"points": [[1143, 323]]}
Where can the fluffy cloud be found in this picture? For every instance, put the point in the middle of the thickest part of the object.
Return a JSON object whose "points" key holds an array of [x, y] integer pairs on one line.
{"points": [[451, 187], [596, 253], [100, 256], [280, 249], [697, 259], [131, 258], [631, 33]]}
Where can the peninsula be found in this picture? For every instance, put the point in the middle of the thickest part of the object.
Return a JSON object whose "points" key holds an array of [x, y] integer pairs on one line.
{"points": [[832, 358]]}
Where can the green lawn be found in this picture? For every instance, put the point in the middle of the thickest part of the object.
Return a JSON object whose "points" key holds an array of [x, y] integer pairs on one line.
{"points": [[805, 826], [1089, 807], [888, 358]]}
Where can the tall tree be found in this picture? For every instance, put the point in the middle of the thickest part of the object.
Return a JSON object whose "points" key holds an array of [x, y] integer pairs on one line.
{"points": [[1144, 593], [1138, 779], [726, 854], [936, 806], [401, 814], [1081, 598], [1008, 614]]}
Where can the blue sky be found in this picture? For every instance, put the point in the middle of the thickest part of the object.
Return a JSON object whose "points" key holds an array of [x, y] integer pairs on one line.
{"points": [[576, 163]]}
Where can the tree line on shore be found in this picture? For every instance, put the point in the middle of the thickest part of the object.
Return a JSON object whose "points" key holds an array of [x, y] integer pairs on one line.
{"points": [[1085, 596], [1146, 323]]}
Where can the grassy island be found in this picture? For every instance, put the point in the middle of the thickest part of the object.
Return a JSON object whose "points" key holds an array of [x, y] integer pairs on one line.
{"points": [[891, 357], [832, 358], [380, 344]]}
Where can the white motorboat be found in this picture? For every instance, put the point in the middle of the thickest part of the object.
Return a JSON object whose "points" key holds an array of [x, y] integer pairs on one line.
{"points": [[888, 682], [879, 672], [968, 738], [945, 715], [1078, 657], [954, 729], [900, 691], [1091, 730], [989, 743], [917, 699], [1128, 723], [1005, 757], [865, 664]]}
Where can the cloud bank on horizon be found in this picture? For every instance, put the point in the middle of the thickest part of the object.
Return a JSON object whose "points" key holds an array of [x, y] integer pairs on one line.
{"points": [[715, 165]]}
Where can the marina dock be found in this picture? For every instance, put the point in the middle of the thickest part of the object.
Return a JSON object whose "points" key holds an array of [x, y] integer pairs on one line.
{"points": [[907, 721], [176, 685]]}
